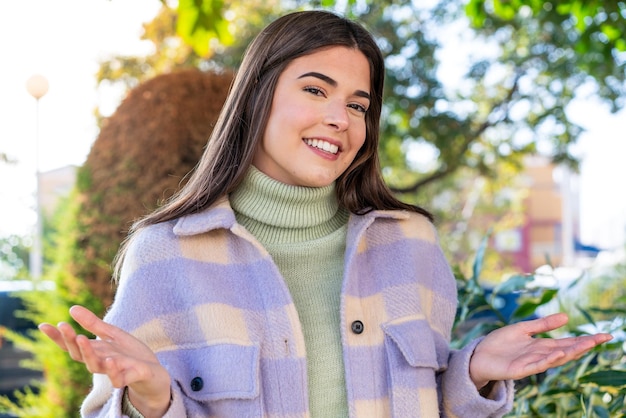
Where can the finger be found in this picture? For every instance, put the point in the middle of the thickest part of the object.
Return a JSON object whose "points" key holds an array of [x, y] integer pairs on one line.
{"points": [[115, 372], [54, 334], [69, 338], [578, 346], [545, 324], [542, 363], [92, 323], [93, 361], [566, 350], [124, 371]]}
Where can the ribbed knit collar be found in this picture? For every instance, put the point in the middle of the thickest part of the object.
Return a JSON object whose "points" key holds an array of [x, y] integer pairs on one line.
{"points": [[278, 212]]}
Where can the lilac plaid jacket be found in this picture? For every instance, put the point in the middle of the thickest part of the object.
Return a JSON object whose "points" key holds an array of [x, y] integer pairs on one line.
{"points": [[208, 299]]}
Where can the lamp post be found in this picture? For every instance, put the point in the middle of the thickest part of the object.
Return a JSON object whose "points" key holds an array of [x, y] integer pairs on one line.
{"points": [[37, 86]]}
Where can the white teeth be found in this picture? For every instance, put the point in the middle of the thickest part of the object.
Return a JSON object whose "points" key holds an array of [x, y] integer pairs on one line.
{"points": [[323, 145]]}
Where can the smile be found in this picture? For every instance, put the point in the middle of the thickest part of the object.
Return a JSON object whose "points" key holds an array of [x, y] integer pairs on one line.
{"points": [[323, 145]]}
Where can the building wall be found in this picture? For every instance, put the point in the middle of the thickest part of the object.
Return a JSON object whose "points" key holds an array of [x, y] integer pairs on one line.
{"points": [[551, 217], [54, 185]]}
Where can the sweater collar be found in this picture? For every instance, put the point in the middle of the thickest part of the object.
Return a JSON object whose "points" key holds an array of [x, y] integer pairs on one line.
{"points": [[265, 200], [220, 215]]}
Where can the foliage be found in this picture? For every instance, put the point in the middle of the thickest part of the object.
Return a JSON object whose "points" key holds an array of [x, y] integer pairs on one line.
{"points": [[13, 257], [531, 61], [594, 384], [199, 22], [171, 116], [595, 293], [598, 24], [66, 382], [171, 53], [472, 89]]}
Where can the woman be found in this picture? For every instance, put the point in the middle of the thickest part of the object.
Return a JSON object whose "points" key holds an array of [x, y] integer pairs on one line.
{"points": [[284, 279]]}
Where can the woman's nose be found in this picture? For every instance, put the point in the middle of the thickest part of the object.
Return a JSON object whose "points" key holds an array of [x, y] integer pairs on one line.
{"points": [[337, 116]]}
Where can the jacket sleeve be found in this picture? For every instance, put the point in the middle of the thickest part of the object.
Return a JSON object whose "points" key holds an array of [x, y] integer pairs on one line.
{"points": [[106, 401], [457, 393], [133, 308], [460, 397]]}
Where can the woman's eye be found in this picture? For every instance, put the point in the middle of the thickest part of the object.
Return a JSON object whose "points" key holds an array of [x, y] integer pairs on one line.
{"points": [[314, 90], [358, 107]]}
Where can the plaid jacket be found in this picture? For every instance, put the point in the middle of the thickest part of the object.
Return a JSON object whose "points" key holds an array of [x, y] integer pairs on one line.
{"points": [[208, 299]]}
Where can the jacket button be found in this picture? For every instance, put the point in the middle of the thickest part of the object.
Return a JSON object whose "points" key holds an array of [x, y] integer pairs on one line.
{"points": [[357, 327], [196, 384]]}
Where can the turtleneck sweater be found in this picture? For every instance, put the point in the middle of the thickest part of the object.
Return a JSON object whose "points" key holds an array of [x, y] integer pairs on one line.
{"points": [[304, 231]]}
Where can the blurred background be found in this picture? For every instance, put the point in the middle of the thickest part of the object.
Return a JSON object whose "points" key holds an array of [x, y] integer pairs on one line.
{"points": [[505, 118]]}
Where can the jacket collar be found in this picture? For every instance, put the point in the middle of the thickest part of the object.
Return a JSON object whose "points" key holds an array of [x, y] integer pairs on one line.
{"points": [[221, 216], [218, 216]]}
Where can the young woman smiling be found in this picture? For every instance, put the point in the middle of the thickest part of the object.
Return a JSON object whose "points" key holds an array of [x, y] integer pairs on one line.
{"points": [[285, 279]]}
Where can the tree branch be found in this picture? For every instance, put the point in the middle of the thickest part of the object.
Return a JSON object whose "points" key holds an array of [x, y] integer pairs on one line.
{"points": [[502, 106]]}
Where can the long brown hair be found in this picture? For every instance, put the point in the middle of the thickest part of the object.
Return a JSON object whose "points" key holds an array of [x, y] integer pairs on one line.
{"points": [[240, 127]]}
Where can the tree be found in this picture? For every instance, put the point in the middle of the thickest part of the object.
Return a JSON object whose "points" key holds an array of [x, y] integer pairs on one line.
{"points": [[140, 157], [517, 67], [13, 257], [511, 99]]}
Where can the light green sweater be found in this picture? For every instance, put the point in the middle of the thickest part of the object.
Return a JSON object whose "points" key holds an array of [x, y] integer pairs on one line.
{"points": [[305, 232]]}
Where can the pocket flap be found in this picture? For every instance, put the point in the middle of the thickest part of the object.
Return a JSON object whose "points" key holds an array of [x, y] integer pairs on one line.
{"points": [[418, 343], [216, 371]]}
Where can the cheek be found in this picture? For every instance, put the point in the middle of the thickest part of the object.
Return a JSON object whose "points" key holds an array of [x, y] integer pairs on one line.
{"points": [[291, 113]]}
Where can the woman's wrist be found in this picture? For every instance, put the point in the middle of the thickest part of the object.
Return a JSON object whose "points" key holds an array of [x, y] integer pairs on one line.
{"points": [[141, 407]]}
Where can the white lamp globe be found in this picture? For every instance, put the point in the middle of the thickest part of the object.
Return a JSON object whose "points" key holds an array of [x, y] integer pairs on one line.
{"points": [[37, 86]]}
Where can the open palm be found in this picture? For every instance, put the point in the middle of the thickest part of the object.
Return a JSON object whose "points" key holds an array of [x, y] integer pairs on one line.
{"points": [[512, 352], [123, 358]]}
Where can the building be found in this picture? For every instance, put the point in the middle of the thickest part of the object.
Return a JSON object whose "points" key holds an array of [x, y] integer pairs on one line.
{"points": [[54, 185], [550, 228]]}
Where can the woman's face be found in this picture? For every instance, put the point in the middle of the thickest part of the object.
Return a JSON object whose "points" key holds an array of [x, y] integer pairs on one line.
{"points": [[316, 124]]}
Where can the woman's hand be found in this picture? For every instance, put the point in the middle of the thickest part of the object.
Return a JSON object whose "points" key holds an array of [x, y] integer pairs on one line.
{"points": [[511, 352], [122, 357]]}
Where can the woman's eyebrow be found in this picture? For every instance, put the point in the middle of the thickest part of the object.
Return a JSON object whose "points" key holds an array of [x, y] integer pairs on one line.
{"points": [[333, 83]]}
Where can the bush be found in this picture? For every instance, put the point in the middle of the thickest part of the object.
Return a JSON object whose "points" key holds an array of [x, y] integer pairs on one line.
{"points": [[141, 156], [593, 386]]}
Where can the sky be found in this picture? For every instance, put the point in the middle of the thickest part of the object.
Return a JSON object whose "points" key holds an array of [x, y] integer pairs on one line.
{"points": [[64, 40]]}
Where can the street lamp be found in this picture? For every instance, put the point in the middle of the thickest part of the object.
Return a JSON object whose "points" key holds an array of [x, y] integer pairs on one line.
{"points": [[37, 86]]}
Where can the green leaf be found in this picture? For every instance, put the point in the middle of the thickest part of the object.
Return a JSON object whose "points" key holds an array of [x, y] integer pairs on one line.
{"points": [[548, 295], [201, 21], [614, 378], [474, 11], [611, 32], [586, 314], [513, 284], [503, 9], [480, 255], [525, 310]]}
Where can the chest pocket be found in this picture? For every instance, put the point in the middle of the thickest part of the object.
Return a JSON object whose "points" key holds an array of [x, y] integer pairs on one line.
{"points": [[415, 355], [217, 379]]}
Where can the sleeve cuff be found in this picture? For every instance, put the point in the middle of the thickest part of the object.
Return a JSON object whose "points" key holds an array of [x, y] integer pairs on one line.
{"points": [[128, 408], [461, 396]]}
